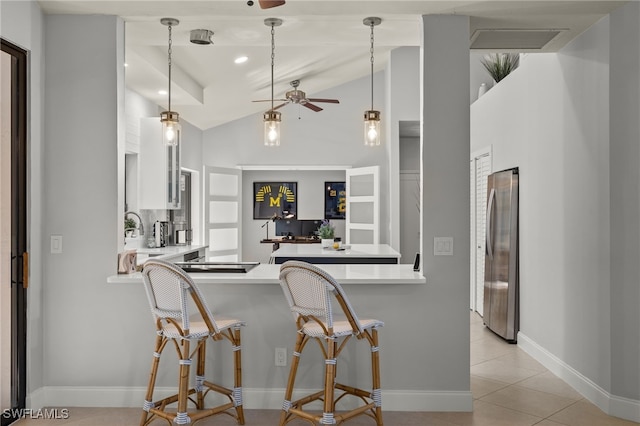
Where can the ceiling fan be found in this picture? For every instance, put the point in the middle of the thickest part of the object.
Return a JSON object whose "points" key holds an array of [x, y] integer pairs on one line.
{"points": [[296, 96]]}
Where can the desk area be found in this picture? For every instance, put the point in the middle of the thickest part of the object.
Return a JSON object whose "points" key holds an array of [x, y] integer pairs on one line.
{"points": [[350, 254]]}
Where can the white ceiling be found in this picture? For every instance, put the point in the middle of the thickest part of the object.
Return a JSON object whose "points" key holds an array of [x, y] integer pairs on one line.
{"points": [[321, 43]]}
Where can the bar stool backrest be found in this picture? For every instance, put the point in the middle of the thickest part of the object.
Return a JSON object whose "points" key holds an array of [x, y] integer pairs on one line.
{"points": [[309, 291], [168, 291]]}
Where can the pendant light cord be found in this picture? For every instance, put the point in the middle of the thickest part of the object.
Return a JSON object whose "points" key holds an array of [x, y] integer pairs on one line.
{"points": [[169, 55], [371, 51], [273, 55]]}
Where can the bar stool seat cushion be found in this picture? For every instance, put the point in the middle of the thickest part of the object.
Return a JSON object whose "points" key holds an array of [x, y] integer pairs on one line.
{"points": [[198, 328], [341, 327]]}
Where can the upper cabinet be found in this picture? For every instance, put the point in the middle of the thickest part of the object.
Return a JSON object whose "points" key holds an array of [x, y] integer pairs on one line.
{"points": [[159, 168]]}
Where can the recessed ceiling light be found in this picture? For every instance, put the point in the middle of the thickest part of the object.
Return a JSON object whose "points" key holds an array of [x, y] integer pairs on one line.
{"points": [[126, 64], [241, 59], [162, 92]]}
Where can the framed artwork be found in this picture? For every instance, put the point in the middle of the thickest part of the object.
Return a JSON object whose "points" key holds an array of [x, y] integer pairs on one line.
{"points": [[275, 199], [335, 200]]}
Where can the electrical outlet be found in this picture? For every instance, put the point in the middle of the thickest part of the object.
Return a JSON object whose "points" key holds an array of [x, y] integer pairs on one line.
{"points": [[281, 357]]}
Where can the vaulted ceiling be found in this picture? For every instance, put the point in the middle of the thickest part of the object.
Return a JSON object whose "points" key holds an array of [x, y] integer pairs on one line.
{"points": [[321, 43]]}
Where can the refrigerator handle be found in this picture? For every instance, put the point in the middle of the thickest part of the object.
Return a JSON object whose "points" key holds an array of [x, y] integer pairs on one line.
{"points": [[488, 243]]}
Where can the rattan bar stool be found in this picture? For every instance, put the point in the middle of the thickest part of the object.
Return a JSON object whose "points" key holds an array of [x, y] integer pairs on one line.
{"points": [[173, 296], [310, 292]]}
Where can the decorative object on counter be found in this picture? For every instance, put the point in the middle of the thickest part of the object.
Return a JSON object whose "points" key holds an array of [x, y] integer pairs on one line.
{"points": [[151, 242], [371, 117], [335, 200], [129, 227], [127, 262], [131, 224], [326, 233], [482, 90], [275, 198], [500, 65], [337, 243], [272, 118]]}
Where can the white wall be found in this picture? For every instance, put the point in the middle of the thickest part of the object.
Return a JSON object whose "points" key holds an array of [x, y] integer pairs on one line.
{"points": [[445, 199], [551, 118], [85, 97], [625, 202], [21, 22]]}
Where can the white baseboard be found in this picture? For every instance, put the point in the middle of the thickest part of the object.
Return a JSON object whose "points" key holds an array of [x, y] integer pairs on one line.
{"points": [[613, 405], [90, 396]]}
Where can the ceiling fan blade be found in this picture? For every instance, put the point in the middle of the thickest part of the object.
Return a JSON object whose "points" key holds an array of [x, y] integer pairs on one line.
{"points": [[268, 4], [311, 106], [279, 106], [331, 101], [269, 100]]}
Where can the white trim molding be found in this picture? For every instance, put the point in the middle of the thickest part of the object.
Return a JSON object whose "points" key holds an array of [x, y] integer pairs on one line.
{"points": [[108, 396], [613, 405]]}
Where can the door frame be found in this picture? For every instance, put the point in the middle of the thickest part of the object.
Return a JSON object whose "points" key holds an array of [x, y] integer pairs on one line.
{"points": [[19, 242], [475, 223]]}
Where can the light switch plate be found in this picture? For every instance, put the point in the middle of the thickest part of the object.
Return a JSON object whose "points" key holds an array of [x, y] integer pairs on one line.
{"points": [[56, 244], [443, 246]]}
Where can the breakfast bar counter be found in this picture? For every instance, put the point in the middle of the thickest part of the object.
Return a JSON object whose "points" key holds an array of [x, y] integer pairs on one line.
{"points": [[269, 274]]}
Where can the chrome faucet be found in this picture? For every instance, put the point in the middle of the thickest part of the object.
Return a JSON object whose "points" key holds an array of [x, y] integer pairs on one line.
{"points": [[141, 226]]}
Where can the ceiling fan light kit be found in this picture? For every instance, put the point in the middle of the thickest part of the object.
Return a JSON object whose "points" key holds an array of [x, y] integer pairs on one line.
{"points": [[272, 118], [170, 119], [372, 117]]}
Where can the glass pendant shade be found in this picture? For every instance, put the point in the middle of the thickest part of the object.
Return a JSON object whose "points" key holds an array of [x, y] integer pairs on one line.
{"points": [[272, 128], [372, 128], [170, 127]]}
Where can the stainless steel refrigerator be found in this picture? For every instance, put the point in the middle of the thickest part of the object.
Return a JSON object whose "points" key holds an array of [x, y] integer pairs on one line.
{"points": [[501, 270]]}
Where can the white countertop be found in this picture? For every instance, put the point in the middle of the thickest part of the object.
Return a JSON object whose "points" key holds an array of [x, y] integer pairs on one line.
{"points": [[145, 253], [269, 273], [351, 250]]}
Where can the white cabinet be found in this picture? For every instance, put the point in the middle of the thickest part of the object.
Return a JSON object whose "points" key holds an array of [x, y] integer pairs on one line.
{"points": [[159, 168]]}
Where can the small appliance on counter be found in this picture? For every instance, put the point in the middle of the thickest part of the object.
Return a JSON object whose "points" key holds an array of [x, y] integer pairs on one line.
{"points": [[161, 233], [181, 235]]}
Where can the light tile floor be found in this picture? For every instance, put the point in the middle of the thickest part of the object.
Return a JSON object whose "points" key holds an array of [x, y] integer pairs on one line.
{"points": [[509, 389]]}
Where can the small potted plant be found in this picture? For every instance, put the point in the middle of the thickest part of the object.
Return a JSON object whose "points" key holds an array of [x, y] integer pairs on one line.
{"points": [[130, 226], [326, 232], [500, 65]]}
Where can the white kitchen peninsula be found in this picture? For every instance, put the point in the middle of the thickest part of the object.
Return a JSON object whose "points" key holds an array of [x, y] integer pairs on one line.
{"points": [[268, 274]]}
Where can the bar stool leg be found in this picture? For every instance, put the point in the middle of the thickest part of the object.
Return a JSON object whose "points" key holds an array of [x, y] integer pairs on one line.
{"points": [[200, 371], [183, 385], [237, 361], [329, 382], [295, 361], [152, 379], [375, 372]]}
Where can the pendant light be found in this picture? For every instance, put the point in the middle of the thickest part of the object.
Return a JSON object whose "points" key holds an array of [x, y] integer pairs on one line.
{"points": [[170, 119], [371, 117], [272, 118]]}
